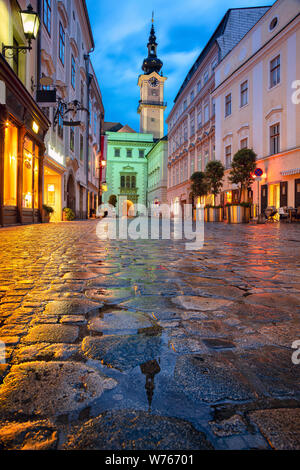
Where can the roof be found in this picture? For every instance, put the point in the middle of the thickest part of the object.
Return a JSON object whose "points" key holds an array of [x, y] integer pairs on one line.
{"points": [[126, 128], [234, 25], [112, 126]]}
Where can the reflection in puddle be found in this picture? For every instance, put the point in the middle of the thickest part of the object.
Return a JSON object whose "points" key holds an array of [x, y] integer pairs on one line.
{"points": [[150, 369]]}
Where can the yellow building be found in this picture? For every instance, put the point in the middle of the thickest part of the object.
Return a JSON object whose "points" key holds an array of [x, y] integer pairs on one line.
{"points": [[22, 123], [257, 106]]}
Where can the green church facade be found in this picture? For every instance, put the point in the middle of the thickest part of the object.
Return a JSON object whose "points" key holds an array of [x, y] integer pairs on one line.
{"points": [[127, 168]]}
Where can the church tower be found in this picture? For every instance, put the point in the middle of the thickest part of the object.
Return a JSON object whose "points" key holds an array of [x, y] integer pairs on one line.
{"points": [[151, 82]]}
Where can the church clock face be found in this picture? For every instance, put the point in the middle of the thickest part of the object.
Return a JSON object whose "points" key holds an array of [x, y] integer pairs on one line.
{"points": [[153, 82]]}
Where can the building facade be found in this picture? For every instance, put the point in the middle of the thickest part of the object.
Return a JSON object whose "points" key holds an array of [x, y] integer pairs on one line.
{"points": [[256, 106], [191, 122], [71, 174], [157, 160], [126, 173], [22, 124]]}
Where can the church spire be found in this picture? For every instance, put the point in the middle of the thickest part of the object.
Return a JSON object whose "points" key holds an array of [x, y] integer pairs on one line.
{"points": [[152, 63]]}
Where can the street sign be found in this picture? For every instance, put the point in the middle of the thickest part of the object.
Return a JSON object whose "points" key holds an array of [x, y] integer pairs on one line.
{"points": [[258, 172]]}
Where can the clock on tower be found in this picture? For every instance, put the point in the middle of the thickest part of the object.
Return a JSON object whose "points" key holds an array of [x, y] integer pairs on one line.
{"points": [[151, 82]]}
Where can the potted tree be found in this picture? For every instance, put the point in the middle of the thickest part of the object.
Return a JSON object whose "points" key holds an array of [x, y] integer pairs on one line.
{"points": [[214, 173], [199, 185], [68, 214], [243, 166], [47, 211]]}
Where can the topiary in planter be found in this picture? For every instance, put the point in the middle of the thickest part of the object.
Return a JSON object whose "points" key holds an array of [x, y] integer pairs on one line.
{"points": [[68, 214]]}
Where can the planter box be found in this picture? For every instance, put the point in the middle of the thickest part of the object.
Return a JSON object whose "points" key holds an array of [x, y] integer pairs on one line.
{"points": [[238, 214], [45, 217], [213, 214]]}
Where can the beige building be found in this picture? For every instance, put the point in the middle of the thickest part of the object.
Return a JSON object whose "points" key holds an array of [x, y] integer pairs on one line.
{"points": [[191, 121], [257, 106]]}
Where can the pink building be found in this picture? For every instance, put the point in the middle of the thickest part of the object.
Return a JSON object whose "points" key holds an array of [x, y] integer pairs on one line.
{"points": [[192, 119]]}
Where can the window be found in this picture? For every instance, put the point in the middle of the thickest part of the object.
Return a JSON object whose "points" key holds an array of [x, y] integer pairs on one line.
{"points": [[199, 119], [129, 153], [117, 152], [214, 64], [244, 143], [122, 181], [60, 126], [206, 113], [192, 164], [73, 72], [192, 126], [82, 92], [141, 153], [199, 167], [133, 182], [128, 182], [81, 147], [206, 158], [273, 23], [228, 156], [28, 162], [95, 123], [244, 93], [47, 15], [10, 165], [199, 86], [184, 105], [192, 96], [228, 105], [214, 152], [213, 107], [72, 138], [274, 139], [205, 76], [185, 134], [61, 44], [275, 71]]}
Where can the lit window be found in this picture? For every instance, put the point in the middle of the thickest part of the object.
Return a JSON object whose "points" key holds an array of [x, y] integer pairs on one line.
{"points": [[10, 165], [47, 15], [274, 139], [275, 71], [27, 200], [61, 44]]}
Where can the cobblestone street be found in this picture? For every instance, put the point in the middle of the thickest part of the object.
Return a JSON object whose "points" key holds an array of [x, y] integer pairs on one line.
{"points": [[144, 345]]}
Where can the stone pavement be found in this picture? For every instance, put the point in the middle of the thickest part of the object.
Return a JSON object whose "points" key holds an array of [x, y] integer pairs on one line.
{"points": [[143, 345]]}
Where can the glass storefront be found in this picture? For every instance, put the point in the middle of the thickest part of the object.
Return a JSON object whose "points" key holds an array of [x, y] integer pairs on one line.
{"points": [[30, 175], [10, 165]]}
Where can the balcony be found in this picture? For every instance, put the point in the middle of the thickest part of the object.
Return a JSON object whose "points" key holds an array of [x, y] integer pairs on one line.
{"points": [[161, 104], [128, 191]]}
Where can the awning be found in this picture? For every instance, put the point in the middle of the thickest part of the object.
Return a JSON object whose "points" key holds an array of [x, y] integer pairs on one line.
{"points": [[296, 171]]}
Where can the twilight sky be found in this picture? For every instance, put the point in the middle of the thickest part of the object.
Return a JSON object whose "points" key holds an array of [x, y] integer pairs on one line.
{"points": [[121, 30]]}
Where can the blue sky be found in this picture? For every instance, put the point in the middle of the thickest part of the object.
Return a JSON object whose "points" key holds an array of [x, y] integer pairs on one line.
{"points": [[121, 30]]}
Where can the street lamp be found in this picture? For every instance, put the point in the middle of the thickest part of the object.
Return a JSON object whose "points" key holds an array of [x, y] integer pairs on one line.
{"points": [[31, 24]]}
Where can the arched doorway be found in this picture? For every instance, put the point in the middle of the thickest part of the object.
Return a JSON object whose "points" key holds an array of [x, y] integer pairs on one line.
{"points": [[71, 195], [128, 209]]}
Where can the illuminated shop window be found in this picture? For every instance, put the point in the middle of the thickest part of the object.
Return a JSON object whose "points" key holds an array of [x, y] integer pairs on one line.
{"points": [[36, 180], [10, 165], [27, 201]]}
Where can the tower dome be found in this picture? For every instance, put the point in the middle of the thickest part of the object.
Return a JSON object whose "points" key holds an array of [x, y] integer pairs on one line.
{"points": [[152, 63]]}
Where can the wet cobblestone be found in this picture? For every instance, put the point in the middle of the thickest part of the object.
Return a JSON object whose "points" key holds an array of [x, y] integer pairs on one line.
{"points": [[99, 334]]}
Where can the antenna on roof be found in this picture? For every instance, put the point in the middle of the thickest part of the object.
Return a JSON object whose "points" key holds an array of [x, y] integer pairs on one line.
{"points": [[152, 17]]}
